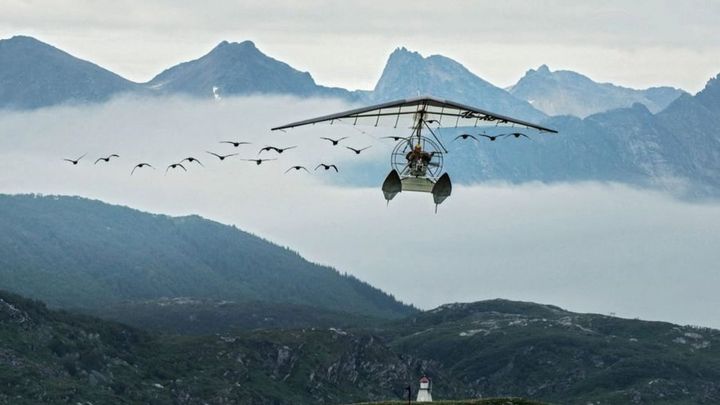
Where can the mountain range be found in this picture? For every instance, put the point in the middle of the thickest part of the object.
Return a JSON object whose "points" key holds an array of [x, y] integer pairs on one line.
{"points": [[564, 92], [34, 74], [676, 149], [659, 137]]}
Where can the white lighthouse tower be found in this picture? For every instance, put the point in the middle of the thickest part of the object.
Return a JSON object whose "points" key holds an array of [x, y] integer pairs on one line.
{"points": [[424, 391]]}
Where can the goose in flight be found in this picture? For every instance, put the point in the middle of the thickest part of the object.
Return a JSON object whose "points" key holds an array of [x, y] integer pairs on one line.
{"points": [[140, 166], [75, 161], [334, 141], [395, 138], [276, 149], [221, 157], [517, 135], [258, 161], [357, 151], [191, 160], [492, 137], [106, 159], [175, 166], [326, 167], [297, 168], [464, 136], [236, 143]]}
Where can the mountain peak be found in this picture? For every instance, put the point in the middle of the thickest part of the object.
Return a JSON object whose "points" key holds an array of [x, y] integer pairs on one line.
{"points": [[564, 92], [403, 54], [238, 68], [23, 38], [710, 95], [408, 74], [544, 69], [226, 46], [35, 74]]}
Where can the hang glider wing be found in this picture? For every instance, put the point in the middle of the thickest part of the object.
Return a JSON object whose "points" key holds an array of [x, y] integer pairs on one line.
{"points": [[404, 113]]}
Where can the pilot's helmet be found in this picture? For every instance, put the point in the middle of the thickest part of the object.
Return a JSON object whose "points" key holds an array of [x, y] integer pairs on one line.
{"points": [[418, 148]]}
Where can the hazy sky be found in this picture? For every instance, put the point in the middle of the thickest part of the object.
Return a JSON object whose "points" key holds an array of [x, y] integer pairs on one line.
{"points": [[587, 247], [638, 44]]}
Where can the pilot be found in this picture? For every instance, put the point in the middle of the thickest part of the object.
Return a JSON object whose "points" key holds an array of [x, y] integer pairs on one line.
{"points": [[417, 155], [414, 155]]}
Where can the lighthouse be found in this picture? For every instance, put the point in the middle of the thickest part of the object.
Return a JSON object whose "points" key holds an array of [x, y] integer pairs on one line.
{"points": [[424, 391]]}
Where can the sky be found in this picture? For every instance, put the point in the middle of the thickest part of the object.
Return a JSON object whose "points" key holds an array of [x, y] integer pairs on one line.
{"points": [[587, 247], [636, 44]]}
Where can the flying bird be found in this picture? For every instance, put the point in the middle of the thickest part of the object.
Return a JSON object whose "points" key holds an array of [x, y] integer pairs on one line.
{"points": [[492, 137], [334, 141], [175, 166], [326, 167], [297, 168], [221, 157], [395, 138], [258, 161], [464, 136], [140, 166], [517, 135], [236, 143], [74, 161], [357, 151], [191, 160], [276, 149], [106, 159]]}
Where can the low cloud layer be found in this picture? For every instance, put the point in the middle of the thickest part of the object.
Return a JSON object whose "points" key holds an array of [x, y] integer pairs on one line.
{"points": [[587, 247]]}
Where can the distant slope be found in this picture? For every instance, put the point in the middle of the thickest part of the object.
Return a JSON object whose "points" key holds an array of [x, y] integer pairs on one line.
{"points": [[34, 74], [233, 69], [486, 349], [543, 352], [57, 357], [409, 74], [73, 252], [187, 316], [564, 92], [676, 149]]}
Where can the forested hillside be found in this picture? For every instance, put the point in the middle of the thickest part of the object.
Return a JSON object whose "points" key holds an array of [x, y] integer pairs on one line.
{"points": [[74, 252], [480, 350]]}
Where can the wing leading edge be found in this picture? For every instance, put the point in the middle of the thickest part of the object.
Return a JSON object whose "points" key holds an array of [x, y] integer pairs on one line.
{"points": [[405, 112]]}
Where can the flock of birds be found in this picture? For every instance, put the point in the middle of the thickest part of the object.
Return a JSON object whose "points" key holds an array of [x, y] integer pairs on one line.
{"points": [[490, 137], [221, 157], [280, 150]]}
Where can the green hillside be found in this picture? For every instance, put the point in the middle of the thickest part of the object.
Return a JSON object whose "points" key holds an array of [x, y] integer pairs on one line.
{"points": [[73, 252], [543, 352], [187, 316], [493, 349], [56, 357]]}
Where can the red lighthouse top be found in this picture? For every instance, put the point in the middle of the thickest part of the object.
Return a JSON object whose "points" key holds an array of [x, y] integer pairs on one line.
{"points": [[424, 379]]}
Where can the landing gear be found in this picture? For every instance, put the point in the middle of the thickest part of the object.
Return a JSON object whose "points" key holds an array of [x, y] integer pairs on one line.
{"points": [[420, 173]]}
